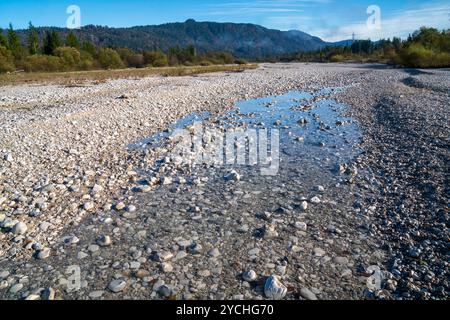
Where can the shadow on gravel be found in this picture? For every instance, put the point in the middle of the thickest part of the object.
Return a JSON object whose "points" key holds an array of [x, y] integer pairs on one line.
{"points": [[415, 83]]}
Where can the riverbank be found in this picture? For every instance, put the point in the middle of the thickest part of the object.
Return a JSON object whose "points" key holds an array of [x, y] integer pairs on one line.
{"points": [[65, 173]]}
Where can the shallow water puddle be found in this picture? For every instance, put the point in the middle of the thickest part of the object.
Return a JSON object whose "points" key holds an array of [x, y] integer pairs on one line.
{"points": [[312, 128]]}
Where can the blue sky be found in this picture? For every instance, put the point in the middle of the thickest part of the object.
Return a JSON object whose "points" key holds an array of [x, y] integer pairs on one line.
{"points": [[331, 20]]}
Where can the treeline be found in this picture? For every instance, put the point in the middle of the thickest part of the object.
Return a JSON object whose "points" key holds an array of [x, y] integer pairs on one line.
{"points": [[52, 53], [425, 48]]}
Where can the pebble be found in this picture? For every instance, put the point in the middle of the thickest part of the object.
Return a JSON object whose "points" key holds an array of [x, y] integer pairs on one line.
{"points": [[232, 176], [195, 249], [214, 253], [44, 254], [117, 285], [301, 226], [81, 255], [315, 200], [93, 248], [165, 291], [48, 294], [304, 206], [96, 294], [307, 294], [88, 206], [274, 289], [318, 252], [249, 276], [104, 241], [340, 260], [120, 206], [16, 288], [19, 228], [97, 189], [163, 256], [145, 189], [166, 181], [8, 157], [131, 208], [166, 267], [71, 240]]}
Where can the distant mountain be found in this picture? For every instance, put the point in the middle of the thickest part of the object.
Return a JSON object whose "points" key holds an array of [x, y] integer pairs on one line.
{"points": [[243, 40]]}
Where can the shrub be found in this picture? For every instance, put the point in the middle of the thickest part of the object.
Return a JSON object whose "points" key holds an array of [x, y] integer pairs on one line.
{"points": [[337, 58], [43, 63], [205, 63], [219, 57], [6, 60], [70, 57], [155, 59], [86, 61], [109, 59], [240, 61], [417, 56], [131, 59]]}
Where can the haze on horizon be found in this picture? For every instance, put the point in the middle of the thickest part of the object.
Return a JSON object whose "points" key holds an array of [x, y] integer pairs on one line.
{"points": [[330, 20]]}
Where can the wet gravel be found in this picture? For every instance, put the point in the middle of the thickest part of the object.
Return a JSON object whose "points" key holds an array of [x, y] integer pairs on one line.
{"points": [[358, 208]]}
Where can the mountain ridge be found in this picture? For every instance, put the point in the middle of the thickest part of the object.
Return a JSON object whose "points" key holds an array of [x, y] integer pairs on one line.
{"points": [[244, 40]]}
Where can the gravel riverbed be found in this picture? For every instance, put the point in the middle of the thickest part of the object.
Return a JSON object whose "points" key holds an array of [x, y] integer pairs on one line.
{"points": [[358, 209]]}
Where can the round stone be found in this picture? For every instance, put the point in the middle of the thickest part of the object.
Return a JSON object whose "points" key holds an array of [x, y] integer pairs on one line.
{"points": [[43, 254], [307, 294], [301, 226], [88, 206], [249, 276], [304, 206], [131, 208], [214, 253], [104, 241], [19, 228], [315, 200], [120, 206], [16, 288], [117, 285]]}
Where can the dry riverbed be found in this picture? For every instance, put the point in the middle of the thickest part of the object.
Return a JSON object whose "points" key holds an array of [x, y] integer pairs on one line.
{"points": [[90, 208]]}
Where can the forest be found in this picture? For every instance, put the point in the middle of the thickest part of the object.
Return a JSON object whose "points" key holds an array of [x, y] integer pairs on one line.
{"points": [[53, 53], [425, 48]]}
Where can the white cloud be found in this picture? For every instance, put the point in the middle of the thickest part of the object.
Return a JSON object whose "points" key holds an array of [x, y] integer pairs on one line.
{"points": [[396, 23]]}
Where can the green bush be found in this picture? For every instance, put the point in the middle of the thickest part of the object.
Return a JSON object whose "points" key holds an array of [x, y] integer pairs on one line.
{"points": [[131, 59], [337, 58], [240, 61], [155, 59], [70, 57], [205, 63], [219, 58], [86, 61], [6, 60], [42, 63], [109, 59], [417, 56]]}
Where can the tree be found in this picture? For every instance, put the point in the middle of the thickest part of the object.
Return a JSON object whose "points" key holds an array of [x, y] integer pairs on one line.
{"points": [[109, 59], [3, 40], [33, 40], [89, 48], [14, 43], [6, 60], [72, 40], [52, 41]]}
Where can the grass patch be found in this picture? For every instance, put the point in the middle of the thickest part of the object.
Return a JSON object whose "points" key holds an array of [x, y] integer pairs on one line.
{"points": [[80, 77]]}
